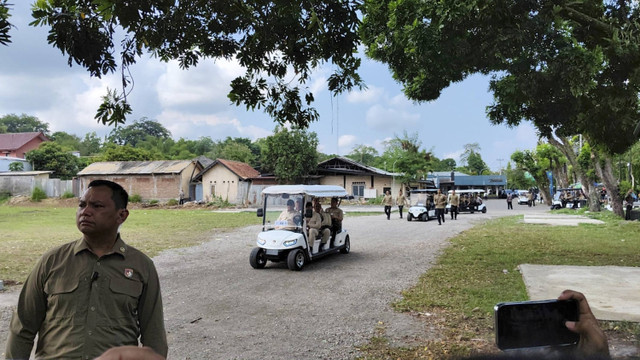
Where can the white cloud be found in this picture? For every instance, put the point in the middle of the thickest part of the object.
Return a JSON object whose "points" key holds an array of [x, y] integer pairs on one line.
{"points": [[371, 94], [216, 126], [454, 155], [204, 85], [390, 119], [347, 142]]}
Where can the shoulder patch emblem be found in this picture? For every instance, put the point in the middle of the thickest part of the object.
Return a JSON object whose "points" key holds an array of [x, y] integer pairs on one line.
{"points": [[128, 273]]}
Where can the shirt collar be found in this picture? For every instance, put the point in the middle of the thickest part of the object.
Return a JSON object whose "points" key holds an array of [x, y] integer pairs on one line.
{"points": [[119, 247]]}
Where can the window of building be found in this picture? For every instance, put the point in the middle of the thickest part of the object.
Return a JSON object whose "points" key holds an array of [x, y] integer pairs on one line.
{"points": [[357, 188]]}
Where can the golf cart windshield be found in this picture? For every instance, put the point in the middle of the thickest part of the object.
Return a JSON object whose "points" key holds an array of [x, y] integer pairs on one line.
{"points": [[420, 197], [279, 215]]}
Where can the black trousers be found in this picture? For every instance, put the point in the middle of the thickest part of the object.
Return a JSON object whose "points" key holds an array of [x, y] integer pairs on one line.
{"points": [[387, 210], [454, 212], [400, 210], [627, 215], [440, 215], [509, 205]]}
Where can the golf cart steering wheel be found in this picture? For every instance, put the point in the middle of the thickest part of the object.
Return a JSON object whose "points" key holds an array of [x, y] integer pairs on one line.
{"points": [[297, 220]]}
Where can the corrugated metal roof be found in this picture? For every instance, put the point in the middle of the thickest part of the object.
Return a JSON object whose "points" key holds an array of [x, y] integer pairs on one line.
{"points": [[135, 167], [25, 173]]}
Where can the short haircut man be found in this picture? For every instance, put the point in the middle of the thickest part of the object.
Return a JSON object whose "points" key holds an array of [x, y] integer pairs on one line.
{"points": [[87, 296]]}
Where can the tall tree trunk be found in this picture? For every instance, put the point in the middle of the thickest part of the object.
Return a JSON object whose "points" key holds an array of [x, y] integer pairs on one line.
{"points": [[566, 149], [606, 174]]}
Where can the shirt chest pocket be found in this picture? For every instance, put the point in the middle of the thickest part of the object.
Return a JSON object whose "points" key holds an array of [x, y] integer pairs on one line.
{"points": [[65, 297], [123, 297]]}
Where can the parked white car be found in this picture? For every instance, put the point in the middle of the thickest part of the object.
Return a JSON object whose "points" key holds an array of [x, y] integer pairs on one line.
{"points": [[288, 240]]}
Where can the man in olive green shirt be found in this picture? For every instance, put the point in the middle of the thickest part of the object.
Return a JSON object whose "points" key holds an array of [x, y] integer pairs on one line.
{"points": [[454, 200], [93, 294], [441, 201]]}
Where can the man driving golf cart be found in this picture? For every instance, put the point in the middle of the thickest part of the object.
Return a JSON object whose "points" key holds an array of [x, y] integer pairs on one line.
{"points": [[292, 236]]}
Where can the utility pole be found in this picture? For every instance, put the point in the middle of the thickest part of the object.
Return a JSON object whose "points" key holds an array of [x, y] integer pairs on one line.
{"points": [[500, 164]]}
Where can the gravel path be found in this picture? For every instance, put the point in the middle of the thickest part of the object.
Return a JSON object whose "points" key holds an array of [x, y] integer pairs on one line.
{"points": [[218, 307]]}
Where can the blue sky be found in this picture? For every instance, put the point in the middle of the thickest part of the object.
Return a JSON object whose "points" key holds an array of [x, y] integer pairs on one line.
{"points": [[36, 80]]}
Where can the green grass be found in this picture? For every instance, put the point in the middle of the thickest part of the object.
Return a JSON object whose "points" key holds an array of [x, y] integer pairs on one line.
{"points": [[27, 232], [479, 269]]}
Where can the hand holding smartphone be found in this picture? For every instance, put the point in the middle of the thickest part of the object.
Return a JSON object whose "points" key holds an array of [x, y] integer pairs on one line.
{"points": [[529, 324]]}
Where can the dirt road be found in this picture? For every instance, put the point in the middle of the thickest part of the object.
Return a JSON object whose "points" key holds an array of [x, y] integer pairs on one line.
{"points": [[218, 307]]}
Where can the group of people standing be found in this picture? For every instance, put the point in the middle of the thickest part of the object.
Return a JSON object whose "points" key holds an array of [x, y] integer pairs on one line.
{"points": [[439, 199]]}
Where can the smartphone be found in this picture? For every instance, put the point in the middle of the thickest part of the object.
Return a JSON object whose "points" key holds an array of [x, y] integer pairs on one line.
{"points": [[530, 324]]}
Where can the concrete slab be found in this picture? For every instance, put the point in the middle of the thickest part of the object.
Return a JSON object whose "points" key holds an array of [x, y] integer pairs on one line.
{"points": [[612, 291], [559, 220]]}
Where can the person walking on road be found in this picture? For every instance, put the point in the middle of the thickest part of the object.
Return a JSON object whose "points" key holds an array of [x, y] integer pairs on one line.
{"points": [[454, 200], [510, 201], [387, 201], [401, 200], [441, 201]]}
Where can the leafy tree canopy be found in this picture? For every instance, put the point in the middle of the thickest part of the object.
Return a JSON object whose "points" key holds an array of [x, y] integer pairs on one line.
{"points": [[138, 131], [363, 154], [13, 123], [568, 66], [5, 25], [278, 43], [51, 156], [126, 153], [290, 154]]}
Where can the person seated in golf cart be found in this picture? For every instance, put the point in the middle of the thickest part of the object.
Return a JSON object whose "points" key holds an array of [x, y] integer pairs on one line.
{"points": [[314, 222], [336, 217], [286, 220], [325, 228]]}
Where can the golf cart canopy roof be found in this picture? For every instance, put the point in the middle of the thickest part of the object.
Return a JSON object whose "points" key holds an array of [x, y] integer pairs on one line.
{"points": [[312, 190], [468, 191], [418, 191]]}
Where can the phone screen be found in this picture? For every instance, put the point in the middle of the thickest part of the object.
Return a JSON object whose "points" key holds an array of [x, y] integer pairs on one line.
{"points": [[535, 323]]}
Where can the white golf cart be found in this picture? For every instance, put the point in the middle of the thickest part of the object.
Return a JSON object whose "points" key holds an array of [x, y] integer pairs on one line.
{"points": [[470, 201], [571, 198], [287, 240], [422, 206]]}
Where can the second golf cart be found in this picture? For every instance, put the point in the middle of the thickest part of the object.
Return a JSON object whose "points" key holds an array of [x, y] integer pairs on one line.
{"points": [[470, 201], [422, 206], [287, 239]]}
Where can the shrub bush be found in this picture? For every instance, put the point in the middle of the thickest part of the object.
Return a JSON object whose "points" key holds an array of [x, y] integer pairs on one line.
{"points": [[4, 195], [153, 202], [135, 198], [38, 195], [67, 195], [172, 202]]}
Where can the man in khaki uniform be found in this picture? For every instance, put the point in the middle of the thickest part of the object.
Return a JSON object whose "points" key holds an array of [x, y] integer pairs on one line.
{"points": [[401, 201], [288, 215], [336, 216], [325, 228], [313, 224], [454, 200], [87, 296], [441, 201], [387, 201]]}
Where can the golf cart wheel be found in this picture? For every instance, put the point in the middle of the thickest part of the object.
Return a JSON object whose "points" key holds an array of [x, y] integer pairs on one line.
{"points": [[424, 217], [484, 210], [409, 217], [296, 260], [347, 246], [258, 258]]}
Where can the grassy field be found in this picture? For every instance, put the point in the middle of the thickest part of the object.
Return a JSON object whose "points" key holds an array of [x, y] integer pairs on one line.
{"points": [[27, 231], [457, 295], [479, 269]]}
